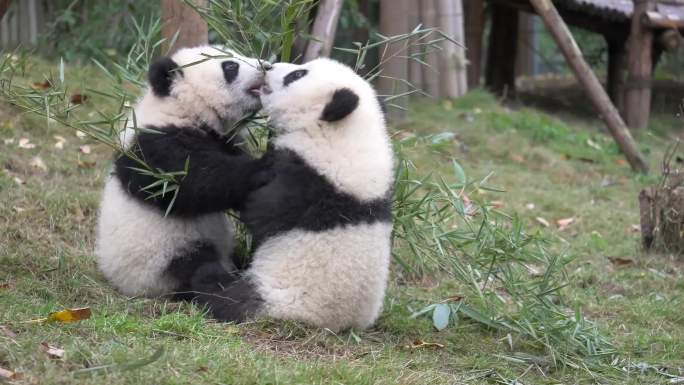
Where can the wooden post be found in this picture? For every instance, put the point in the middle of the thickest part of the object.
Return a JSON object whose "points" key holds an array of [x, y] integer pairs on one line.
{"points": [[573, 56], [524, 65], [4, 5], [179, 17], [324, 29], [639, 67], [501, 56], [415, 67], [394, 21], [474, 33], [617, 65], [431, 70], [452, 69]]}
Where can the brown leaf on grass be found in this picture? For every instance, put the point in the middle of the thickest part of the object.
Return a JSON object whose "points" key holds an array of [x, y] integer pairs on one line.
{"points": [[620, 162], [84, 149], [203, 369], [4, 285], [565, 222], [454, 298], [86, 163], [41, 85], [80, 134], [620, 262], [37, 163], [52, 351], [542, 221], [9, 375], [65, 316], [78, 98], [635, 228], [497, 204], [60, 142], [7, 332], [417, 344], [26, 143], [517, 158]]}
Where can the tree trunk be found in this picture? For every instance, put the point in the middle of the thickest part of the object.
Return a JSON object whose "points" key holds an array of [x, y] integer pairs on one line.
{"points": [[452, 69], [394, 21], [4, 6], [431, 70], [180, 18], [415, 67], [503, 42], [573, 56], [324, 29], [639, 66], [474, 33], [662, 219], [524, 65]]}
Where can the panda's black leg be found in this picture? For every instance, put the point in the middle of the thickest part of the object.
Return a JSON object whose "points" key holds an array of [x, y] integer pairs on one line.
{"points": [[184, 266], [228, 300]]}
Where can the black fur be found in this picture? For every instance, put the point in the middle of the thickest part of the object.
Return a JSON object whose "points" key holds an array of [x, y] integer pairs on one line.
{"points": [[187, 262], [294, 75], [300, 198], [343, 103], [230, 70], [229, 298], [219, 175], [161, 75]]}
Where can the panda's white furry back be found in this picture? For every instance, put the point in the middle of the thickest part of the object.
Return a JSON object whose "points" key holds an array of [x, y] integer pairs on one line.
{"points": [[139, 249], [322, 227]]}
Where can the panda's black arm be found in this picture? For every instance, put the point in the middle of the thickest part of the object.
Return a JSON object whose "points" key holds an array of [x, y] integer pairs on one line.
{"points": [[216, 179]]}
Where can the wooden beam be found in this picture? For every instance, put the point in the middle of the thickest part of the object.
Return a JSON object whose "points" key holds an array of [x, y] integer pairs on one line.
{"points": [[653, 19], [639, 68], [561, 34], [501, 55]]}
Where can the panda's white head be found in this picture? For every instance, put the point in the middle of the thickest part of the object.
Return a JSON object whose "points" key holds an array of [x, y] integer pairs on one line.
{"points": [[201, 85], [331, 117], [322, 93]]}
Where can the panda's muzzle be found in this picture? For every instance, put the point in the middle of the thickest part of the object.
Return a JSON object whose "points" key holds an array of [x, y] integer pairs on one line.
{"points": [[255, 89]]}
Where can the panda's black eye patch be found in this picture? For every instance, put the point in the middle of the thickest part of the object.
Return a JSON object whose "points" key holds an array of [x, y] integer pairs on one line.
{"points": [[230, 70], [294, 75]]}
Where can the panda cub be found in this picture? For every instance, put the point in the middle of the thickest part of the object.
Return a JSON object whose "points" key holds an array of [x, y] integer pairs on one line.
{"points": [[322, 226], [140, 250]]}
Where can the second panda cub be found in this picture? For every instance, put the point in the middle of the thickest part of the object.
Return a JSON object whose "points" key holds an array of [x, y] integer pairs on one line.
{"points": [[322, 226]]}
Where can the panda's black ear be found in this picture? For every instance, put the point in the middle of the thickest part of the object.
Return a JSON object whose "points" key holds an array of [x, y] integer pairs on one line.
{"points": [[343, 103], [161, 75]]}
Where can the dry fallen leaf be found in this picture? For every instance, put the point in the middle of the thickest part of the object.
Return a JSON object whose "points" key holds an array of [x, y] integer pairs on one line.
{"points": [[620, 262], [85, 163], [422, 344], [542, 221], [593, 144], [517, 158], [7, 333], [8, 141], [18, 181], [8, 374], [78, 98], [26, 143], [635, 228], [41, 85], [497, 204], [530, 206], [621, 162], [84, 149], [80, 134], [60, 142], [52, 351], [18, 209], [565, 222], [37, 162]]}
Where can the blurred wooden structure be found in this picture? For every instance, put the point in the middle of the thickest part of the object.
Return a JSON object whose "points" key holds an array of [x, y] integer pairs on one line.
{"points": [[22, 22], [178, 17], [653, 25]]}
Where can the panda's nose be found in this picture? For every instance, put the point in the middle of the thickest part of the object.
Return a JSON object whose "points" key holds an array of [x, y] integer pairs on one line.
{"points": [[266, 66]]}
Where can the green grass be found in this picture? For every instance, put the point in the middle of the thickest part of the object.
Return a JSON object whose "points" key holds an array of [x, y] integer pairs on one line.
{"points": [[564, 168]]}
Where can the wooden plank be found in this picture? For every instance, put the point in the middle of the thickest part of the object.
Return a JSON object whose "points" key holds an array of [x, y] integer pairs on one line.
{"points": [[639, 68], [323, 30], [573, 56], [654, 19]]}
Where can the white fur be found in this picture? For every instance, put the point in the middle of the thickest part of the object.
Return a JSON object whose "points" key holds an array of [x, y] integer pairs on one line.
{"points": [[355, 153], [135, 242], [335, 278]]}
